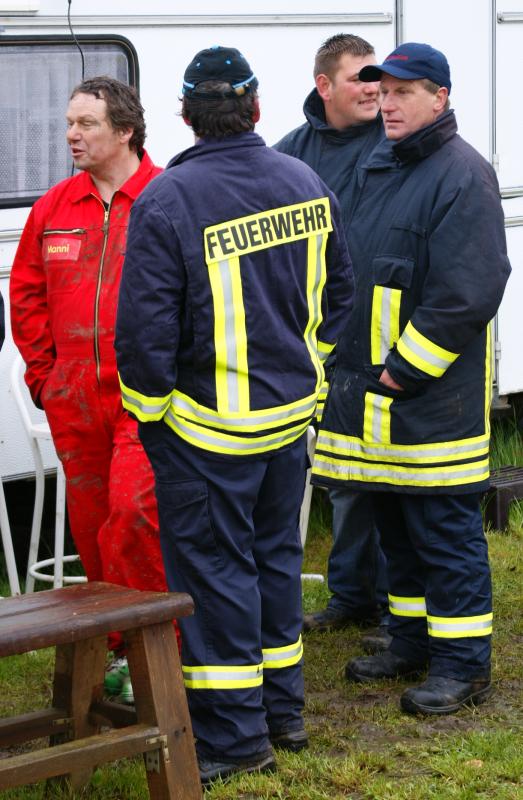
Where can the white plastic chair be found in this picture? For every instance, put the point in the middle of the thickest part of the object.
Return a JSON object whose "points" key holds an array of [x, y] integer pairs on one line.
{"points": [[38, 432], [306, 502], [7, 542]]}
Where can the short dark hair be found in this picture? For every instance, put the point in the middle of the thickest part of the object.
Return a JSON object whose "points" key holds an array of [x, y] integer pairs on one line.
{"points": [[330, 52], [219, 116], [124, 109], [432, 87]]}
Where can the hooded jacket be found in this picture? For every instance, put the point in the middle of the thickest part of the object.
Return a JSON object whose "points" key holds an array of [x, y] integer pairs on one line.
{"points": [[428, 246]]}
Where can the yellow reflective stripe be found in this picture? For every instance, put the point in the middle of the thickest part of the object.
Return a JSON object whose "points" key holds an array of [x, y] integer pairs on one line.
{"points": [[384, 322], [222, 677], [489, 359], [376, 419], [398, 475], [217, 442], [267, 228], [279, 657], [460, 627], [144, 408], [457, 450], [407, 606], [220, 336], [324, 349], [240, 338], [424, 354], [316, 275], [262, 419]]}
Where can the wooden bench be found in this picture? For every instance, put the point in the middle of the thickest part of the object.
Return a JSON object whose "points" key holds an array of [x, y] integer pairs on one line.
{"points": [[84, 729]]}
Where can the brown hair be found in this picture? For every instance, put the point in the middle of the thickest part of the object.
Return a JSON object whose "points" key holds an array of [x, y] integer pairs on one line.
{"points": [[219, 116], [329, 54], [124, 109]]}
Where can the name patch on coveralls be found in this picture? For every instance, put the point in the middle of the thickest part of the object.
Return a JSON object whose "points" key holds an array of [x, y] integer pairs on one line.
{"points": [[267, 229], [61, 249]]}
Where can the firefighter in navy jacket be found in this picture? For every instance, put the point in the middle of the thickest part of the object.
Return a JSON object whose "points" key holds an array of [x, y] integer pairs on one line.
{"points": [[408, 412], [235, 285]]}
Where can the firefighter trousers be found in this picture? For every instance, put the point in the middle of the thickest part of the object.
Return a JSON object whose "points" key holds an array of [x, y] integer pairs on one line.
{"points": [[230, 538], [440, 594]]}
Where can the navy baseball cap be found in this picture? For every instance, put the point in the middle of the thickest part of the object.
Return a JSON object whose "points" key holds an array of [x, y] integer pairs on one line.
{"points": [[411, 61], [224, 64]]}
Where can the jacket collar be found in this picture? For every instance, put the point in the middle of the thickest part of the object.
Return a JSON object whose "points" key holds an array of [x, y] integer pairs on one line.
{"points": [[426, 141], [84, 184], [210, 145], [314, 111]]}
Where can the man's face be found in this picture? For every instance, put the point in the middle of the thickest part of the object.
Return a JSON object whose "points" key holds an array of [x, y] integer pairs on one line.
{"points": [[407, 106], [348, 101], [94, 143]]}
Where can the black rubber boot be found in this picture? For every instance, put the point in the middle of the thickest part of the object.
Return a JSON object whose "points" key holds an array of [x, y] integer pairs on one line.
{"points": [[290, 740], [330, 619], [377, 640], [438, 695], [384, 665], [212, 770]]}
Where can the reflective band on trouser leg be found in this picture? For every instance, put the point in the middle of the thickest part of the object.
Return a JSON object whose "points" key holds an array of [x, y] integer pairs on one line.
{"points": [[279, 657], [407, 606], [460, 627], [221, 677]]}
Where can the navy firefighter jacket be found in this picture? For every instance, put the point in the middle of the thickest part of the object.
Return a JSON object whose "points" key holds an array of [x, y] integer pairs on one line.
{"points": [[430, 263], [236, 284]]}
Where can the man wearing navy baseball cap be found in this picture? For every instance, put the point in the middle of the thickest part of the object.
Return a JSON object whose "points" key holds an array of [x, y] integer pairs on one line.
{"points": [[407, 416], [236, 284]]}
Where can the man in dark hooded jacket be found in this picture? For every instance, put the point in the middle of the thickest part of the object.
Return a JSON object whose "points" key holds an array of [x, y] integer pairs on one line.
{"points": [[343, 126], [407, 416]]}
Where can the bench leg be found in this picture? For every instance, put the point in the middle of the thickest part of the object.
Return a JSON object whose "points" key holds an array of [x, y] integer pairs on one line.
{"points": [[160, 700], [78, 681]]}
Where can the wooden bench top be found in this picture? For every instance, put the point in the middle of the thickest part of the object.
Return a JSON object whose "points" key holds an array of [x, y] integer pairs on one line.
{"points": [[82, 611]]}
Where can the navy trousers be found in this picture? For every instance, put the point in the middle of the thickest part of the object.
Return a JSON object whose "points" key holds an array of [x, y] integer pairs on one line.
{"points": [[230, 538], [440, 594]]}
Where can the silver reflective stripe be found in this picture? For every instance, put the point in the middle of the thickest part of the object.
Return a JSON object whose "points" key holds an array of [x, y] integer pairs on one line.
{"points": [[230, 337], [358, 447], [179, 405], [215, 674], [407, 604], [425, 355], [378, 417], [459, 626], [283, 653], [145, 408], [231, 443], [385, 323], [356, 470]]}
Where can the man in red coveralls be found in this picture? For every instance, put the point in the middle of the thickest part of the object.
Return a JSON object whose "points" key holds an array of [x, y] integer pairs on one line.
{"points": [[64, 290]]}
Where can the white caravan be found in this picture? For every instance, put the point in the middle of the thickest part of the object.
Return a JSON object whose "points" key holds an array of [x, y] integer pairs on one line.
{"points": [[40, 63]]}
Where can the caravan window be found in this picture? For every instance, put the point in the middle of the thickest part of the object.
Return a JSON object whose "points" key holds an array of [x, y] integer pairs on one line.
{"points": [[38, 75]]}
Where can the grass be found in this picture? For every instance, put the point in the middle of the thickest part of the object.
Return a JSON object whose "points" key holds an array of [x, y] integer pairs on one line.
{"points": [[362, 746]]}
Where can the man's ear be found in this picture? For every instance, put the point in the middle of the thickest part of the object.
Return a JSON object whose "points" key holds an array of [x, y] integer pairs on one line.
{"points": [[441, 99], [323, 85], [186, 121], [256, 111], [125, 135]]}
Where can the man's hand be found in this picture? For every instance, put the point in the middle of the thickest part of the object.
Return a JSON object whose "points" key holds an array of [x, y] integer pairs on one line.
{"points": [[388, 381]]}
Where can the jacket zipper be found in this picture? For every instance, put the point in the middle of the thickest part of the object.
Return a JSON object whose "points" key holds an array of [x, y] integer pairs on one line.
{"points": [[99, 288]]}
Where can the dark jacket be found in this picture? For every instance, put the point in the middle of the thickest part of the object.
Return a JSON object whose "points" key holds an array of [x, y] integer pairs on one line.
{"points": [[235, 287], [331, 153], [428, 245]]}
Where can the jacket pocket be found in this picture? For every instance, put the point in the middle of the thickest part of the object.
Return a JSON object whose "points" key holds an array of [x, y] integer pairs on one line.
{"points": [[61, 251], [376, 418], [391, 275], [185, 520]]}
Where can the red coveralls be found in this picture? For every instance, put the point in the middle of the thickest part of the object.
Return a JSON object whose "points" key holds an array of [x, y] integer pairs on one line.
{"points": [[64, 291]]}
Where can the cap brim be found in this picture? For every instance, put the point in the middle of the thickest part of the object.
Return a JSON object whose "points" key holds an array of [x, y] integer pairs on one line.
{"points": [[374, 73]]}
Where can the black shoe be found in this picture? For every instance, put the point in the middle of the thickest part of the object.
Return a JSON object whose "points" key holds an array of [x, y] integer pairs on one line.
{"points": [[212, 770], [438, 695], [377, 640], [290, 740], [333, 619], [384, 665]]}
